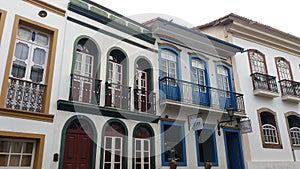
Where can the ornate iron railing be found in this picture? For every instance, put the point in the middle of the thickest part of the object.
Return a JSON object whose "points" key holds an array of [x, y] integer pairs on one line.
{"points": [[24, 95], [85, 89], [144, 101], [117, 96], [289, 87], [264, 82], [192, 93]]}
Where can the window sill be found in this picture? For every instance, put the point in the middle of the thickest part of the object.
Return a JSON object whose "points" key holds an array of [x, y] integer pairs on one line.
{"points": [[26, 115], [274, 146]]}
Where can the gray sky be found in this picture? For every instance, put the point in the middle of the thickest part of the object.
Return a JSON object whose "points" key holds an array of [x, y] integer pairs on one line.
{"points": [[282, 15]]}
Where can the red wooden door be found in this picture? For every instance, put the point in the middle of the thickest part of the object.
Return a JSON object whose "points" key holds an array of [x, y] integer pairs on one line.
{"points": [[78, 149]]}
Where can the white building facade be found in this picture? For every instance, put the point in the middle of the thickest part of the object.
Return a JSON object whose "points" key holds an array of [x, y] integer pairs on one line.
{"points": [[267, 73], [31, 46]]}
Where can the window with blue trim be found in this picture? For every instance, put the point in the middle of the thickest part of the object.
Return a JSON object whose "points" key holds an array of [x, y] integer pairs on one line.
{"points": [[206, 146], [173, 143], [169, 73]]}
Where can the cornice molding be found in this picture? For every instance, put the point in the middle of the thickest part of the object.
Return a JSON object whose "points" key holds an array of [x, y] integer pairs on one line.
{"points": [[267, 37]]}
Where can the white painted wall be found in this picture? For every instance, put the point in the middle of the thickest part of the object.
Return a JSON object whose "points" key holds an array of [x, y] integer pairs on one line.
{"points": [[253, 103]]}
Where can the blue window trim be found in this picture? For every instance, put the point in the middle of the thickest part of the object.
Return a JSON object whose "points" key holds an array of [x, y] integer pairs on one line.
{"points": [[178, 62], [240, 145], [164, 163], [216, 162], [229, 74], [207, 80]]}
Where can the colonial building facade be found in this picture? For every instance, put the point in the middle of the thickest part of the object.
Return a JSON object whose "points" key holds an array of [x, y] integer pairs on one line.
{"points": [[267, 73], [85, 87]]}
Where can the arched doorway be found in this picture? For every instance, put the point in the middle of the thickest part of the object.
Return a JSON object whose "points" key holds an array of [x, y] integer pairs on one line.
{"points": [[78, 145]]}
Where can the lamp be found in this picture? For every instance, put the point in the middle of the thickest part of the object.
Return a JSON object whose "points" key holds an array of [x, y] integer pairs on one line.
{"points": [[230, 111]]}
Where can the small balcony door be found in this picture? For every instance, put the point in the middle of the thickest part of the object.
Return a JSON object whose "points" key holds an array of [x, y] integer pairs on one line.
{"points": [[82, 79], [226, 97], [141, 93], [200, 92], [116, 81], [169, 83]]}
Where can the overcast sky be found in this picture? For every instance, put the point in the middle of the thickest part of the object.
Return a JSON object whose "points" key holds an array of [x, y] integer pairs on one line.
{"points": [[282, 15]]}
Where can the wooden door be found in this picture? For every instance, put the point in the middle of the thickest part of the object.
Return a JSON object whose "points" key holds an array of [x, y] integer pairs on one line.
{"points": [[78, 148]]}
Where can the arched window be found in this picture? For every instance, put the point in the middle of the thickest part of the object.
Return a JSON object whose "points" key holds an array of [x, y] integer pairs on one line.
{"points": [[269, 129], [84, 83], [283, 68], [257, 62], [143, 98], [117, 93], [199, 81], [294, 128]]}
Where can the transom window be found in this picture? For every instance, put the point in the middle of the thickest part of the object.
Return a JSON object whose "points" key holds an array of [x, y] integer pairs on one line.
{"points": [[30, 56], [257, 62], [283, 69], [16, 153]]}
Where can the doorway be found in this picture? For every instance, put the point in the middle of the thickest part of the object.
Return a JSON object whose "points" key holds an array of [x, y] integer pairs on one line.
{"points": [[233, 148]]}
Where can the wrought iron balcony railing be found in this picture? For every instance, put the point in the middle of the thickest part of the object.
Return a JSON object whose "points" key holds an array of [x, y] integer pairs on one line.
{"points": [[85, 89], [289, 87], [264, 82], [144, 101], [117, 96], [24, 95], [192, 93]]}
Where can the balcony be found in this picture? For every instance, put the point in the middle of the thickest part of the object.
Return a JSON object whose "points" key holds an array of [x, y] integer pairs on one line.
{"points": [[264, 85], [183, 93], [290, 90], [117, 96], [144, 101], [24, 95], [85, 89]]}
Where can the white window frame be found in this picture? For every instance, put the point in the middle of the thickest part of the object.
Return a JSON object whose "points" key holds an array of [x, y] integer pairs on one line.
{"points": [[270, 134], [113, 151], [142, 151], [32, 45], [223, 81], [257, 63], [169, 65], [198, 71], [295, 136], [284, 70], [21, 154]]}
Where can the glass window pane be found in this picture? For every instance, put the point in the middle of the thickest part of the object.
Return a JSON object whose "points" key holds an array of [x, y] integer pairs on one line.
{"points": [[107, 156], [4, 146], [107, 166], [18, 69], [173, 145], [26, 161], [117, 156], [36, 74], [39, 56], [14, 160], [138, 145], [21, 51], [16, 147], [118, 143], [146, 145], [3, 160], [27, 147], [108, 142], [24, 33], [42, 39]]}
